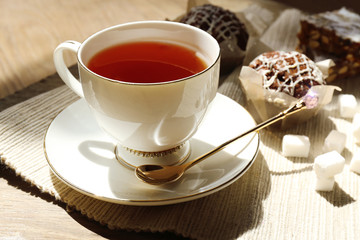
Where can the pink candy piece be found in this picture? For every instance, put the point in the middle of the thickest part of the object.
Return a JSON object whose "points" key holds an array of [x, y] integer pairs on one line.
{"points": [[311, 99]]}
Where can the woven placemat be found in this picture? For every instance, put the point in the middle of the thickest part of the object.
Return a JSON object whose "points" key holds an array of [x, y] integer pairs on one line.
{"points": [[275, 199]]}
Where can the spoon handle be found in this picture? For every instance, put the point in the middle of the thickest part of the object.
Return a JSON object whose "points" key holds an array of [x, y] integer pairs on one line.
{"points": [[291, 110]]}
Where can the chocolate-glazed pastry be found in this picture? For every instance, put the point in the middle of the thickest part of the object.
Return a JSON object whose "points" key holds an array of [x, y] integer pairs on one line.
{"points": [[290, 72], [334, 35], [226, 28]]}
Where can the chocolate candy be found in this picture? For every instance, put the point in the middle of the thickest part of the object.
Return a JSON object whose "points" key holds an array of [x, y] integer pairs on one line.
{"points": [[225, 27], [290, 72]]}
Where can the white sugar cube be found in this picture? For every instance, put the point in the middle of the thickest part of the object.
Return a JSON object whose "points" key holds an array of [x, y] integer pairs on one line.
{"points": [[356, 126], [334, 141], [347, 105], [329, 164], [295, 146], [355, 163], [324, 184]]}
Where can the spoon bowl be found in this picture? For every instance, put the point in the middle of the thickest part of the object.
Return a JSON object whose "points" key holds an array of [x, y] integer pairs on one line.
{"points": [[158, 174]]}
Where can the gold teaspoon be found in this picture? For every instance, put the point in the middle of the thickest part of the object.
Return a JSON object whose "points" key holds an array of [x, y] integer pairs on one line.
{"points": [[161, 174]]}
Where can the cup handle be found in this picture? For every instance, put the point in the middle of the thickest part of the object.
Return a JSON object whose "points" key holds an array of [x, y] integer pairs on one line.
{"points": [[62, 69]]}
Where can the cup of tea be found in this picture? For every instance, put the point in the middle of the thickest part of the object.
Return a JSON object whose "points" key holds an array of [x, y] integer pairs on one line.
{"points": [[148, 84]]}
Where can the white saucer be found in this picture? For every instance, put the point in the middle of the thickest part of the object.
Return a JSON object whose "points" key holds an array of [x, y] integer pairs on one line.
{"points": [[82, 156]]}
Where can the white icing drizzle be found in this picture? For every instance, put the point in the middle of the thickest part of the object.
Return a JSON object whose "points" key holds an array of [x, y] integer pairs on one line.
{"points": [[342, 21], [277, 64], [221, 25]]}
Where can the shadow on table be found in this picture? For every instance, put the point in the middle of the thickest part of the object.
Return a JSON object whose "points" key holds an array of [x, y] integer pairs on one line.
{"points": [[35, 89], [226, 214], [337, 197], [317, 128], [238, 211], [101, 230]]}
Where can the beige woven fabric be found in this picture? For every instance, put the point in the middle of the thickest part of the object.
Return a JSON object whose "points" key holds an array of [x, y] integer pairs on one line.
{"points": [[275, 199]]}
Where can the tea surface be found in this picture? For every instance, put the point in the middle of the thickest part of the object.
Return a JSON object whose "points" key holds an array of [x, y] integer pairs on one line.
{"points": [[146, 62]]}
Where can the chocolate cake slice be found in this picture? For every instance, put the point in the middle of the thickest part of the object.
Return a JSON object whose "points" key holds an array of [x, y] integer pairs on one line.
{"points": [[334, 35]]}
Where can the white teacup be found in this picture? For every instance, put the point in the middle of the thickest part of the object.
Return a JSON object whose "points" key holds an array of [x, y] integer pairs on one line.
{"points": [[152, 122]]}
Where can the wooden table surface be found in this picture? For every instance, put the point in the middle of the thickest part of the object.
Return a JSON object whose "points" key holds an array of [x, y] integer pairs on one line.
{"points": [[29, 32]]}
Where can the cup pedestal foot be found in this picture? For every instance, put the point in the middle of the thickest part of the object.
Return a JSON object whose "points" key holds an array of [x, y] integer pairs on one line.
{"points": [[134, 158]]}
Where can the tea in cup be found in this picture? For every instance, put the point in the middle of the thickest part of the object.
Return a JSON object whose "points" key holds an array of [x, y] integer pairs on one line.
{"points": [[148, 85]]}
